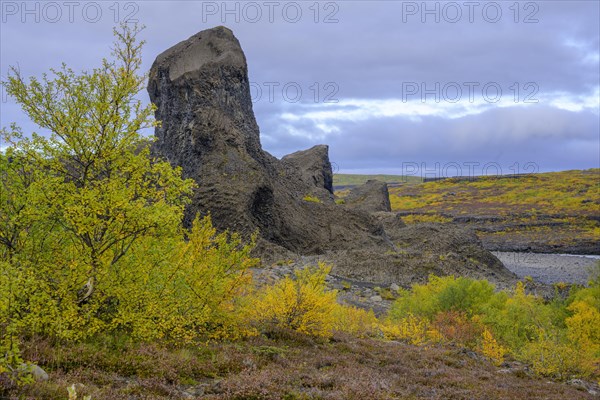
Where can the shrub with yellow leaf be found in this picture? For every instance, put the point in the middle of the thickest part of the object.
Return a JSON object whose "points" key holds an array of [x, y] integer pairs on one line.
{"points": [[558, 338], [551, 356], [355, 321], [583, 330], [91, 235], [412, 329], [491, 348], [302, 304], [188, 292]]}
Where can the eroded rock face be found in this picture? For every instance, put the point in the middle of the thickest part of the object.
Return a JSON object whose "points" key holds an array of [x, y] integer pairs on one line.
{"points": [[314, 166], [373, 196], [202, 92], [208, 128]]}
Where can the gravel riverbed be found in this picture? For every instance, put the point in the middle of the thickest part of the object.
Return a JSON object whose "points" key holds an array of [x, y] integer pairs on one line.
{"points": [[549, 268]]}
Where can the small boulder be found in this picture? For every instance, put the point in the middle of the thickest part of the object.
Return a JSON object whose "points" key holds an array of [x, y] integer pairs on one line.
{"points": [[36, 372], [392, 223]]}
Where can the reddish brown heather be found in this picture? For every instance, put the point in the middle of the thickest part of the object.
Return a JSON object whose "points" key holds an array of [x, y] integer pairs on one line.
{"points": [[288, 367]]}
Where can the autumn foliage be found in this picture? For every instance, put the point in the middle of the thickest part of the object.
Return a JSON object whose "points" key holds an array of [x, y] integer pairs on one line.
{"points": [[91, 239], [302, 304], [558, 338], [92, 244]]}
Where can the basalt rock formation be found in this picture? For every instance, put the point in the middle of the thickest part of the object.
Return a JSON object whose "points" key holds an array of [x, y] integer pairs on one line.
{"points": [[314, 168], [201, 89], [372, 196]]}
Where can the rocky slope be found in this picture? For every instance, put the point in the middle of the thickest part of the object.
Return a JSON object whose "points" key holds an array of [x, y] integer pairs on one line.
{"points": [[201, 89]]}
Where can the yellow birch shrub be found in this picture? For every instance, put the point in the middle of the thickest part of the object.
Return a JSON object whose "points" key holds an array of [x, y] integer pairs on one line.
{"points": [[583, 326], [355, 321], [186, 293], [412, 329], [583, 331], [490, 347], [302, 304], [91, 238], [551, 356]]}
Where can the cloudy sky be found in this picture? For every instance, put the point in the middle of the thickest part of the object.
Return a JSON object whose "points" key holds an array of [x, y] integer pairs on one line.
{"points": [[435, 88]]}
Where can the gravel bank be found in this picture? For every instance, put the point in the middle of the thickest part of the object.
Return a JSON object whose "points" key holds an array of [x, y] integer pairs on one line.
{"points": [[549, 268]]}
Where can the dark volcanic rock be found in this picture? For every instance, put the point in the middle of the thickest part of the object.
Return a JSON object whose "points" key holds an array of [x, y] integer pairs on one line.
{"points": [[392, 223], [208, 128], [313, 165], [201, 89], [420, 250], [202, 92], [372, 196]]}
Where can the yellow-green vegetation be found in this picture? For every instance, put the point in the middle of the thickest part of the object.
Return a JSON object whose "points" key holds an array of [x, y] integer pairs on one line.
{"points": [[311, 199], [567, 193], [91, 239], [422, 218], [94, 259], [302, 304], [558, 339], [554, 208]]}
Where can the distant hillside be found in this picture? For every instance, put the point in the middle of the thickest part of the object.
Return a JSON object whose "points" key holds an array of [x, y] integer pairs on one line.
{"points": [[341, 181], [567, 193], [546, 212]]}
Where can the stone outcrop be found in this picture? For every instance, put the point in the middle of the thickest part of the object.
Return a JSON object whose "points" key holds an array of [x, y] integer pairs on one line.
{"points": [[421, 250], [208, 128], [201, 89], [314, 166], [202, 92], [373, 196]]}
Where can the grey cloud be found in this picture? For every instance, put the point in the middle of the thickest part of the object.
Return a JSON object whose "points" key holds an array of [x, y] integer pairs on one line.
{"points": [[548, 137], [369, 53]]}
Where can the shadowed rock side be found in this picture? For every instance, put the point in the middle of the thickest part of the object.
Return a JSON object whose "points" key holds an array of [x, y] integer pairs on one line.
{"points": [[202, 92]]}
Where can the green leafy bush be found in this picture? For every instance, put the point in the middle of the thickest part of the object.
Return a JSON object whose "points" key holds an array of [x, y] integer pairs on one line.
{"points": [[91, 236], [558, 338], [444, 294]]}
